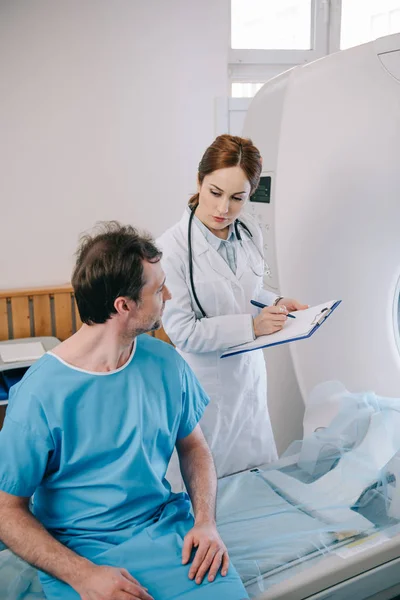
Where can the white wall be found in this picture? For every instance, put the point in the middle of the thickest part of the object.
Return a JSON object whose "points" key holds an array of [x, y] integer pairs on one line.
{"points": [[106, 108]]}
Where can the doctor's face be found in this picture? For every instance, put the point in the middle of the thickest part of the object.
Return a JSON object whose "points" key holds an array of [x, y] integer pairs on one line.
{"points": [[222, 196]]}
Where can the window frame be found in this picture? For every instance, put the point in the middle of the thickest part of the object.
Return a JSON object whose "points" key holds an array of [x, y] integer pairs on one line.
{"points": [[320, 10], [246, 66]]}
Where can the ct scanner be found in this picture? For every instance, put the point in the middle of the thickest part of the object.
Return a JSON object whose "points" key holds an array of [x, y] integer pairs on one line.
{"points": [[329, 206], [329, 134]]}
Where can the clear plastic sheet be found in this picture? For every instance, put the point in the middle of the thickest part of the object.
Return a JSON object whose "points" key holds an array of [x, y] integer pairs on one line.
{"points": [[18, 580], [338, 485]]}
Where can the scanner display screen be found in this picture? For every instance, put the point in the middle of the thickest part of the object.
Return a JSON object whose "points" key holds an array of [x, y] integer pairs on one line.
{"points": [[263, 192]]}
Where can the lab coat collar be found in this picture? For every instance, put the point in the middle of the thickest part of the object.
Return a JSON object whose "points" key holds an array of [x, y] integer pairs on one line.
{"points": [[198, 239], [211, 238]]}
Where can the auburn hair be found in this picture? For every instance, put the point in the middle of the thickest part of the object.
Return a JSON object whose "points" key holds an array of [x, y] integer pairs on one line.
{"points": [[230, 151]]}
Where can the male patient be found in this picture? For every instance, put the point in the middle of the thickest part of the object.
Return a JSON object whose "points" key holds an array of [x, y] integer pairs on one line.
{"points": [[90, 430]]}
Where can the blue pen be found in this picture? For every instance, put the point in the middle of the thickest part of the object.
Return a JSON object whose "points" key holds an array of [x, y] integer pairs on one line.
{"points": [[259, 305]]}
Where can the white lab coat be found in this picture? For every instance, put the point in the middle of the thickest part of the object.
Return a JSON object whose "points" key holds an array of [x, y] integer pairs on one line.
{"points": [[236, 423]]}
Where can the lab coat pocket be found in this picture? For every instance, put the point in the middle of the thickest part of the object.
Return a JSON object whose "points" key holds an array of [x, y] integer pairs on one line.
{"points": [[206, 367], [211, 421], [215, 296]]}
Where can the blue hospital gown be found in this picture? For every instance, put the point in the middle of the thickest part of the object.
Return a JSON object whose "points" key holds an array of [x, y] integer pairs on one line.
{"points": [[94, 447]]}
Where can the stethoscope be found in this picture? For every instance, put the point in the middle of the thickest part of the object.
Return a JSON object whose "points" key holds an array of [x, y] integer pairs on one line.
{"points": [[236, 225]]}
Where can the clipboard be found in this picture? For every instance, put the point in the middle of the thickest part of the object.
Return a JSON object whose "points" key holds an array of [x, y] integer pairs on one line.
{"points": [[307, 322]]}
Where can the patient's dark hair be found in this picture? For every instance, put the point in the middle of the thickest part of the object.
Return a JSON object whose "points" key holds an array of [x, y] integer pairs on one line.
{"points": [[109, 264]]}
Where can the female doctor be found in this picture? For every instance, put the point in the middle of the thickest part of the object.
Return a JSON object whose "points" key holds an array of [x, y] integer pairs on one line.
{"points": [[214, 265]]}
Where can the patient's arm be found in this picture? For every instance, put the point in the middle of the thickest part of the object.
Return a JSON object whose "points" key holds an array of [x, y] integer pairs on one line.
{"points": [[198, 472], [27, 538]]}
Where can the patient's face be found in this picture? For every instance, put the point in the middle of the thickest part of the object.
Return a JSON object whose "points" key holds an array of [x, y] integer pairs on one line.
{"points": [[147, 314]]}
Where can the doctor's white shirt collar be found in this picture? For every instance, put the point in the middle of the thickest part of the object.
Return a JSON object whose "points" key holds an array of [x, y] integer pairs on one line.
{"points": [[212, 239], [225, 248]]}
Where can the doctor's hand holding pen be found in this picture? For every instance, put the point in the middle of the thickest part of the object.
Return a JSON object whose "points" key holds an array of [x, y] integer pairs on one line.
{"points": [[272, 318]]}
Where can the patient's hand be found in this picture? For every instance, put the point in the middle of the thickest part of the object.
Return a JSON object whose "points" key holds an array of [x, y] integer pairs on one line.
{"points": [[109, 583], [211, 554]]}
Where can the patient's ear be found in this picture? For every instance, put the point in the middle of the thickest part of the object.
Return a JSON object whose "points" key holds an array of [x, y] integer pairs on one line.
{"points": [[123, 305]]}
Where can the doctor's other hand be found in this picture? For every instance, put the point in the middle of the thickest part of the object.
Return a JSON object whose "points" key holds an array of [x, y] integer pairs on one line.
{"points": [[110, 583], [211, 553], [270, 320], [291, 305]]}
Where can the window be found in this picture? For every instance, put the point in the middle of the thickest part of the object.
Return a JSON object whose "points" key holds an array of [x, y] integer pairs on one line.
{"points": [[366, 20], [245, 89], [271, 24], [270, 36]]}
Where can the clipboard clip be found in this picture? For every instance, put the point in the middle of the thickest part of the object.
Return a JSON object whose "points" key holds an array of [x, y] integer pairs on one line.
{"points": [[319, 319]]}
